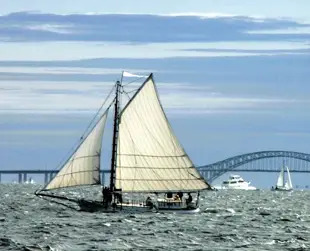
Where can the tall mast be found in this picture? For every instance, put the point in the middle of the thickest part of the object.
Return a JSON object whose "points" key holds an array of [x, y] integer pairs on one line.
{"points": [[115, 137]]}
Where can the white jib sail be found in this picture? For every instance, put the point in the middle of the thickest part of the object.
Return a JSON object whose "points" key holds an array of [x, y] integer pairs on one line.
{"points": [[149, 156], [83, 167], [280, 182], [289, 181]]}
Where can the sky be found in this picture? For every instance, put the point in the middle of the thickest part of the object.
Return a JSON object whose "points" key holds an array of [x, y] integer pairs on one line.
{"points": [[233, 76]]}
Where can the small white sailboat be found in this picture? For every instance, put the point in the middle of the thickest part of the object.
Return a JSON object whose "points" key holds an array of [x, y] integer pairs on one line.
{"points": [[281, 184], [30, 181], [147, 159]]}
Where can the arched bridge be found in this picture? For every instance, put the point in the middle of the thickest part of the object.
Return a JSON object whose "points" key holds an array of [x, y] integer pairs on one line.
{"points": [[251, 162]]}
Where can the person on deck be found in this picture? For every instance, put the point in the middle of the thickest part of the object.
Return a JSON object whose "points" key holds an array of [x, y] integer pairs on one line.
{"points": [[180, 195], [189, 199], [148, 201], [169, 195], [177, 197], [106, 196], [119, 198]]}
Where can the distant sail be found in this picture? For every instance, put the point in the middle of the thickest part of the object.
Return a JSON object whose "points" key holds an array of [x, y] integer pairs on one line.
{"points": [[280, 182], [83, 167], [149, 156], [289, 181]]}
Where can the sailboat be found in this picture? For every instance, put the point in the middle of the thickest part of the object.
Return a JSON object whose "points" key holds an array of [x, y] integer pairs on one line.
{"points": [[146, 160], [281, 184]]}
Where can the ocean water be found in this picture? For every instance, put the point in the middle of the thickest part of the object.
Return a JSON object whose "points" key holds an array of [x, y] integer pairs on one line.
{"points": [[229, 220]]}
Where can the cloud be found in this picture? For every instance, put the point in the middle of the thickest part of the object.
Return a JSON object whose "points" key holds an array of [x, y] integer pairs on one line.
{"points": [[23, 26], [65, 50], [56, 28], [36, 132], [200, 15], [206, 102], [253, 52], [57, 97], [65, 70], [264, 74]]}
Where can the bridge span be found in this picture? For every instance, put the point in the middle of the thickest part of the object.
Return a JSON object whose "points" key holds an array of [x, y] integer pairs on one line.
{"points": [[251, 162], [22, 175]]}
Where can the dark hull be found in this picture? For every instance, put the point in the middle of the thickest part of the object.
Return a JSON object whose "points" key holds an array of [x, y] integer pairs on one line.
{"points": [[95, 206], [98, 206]]}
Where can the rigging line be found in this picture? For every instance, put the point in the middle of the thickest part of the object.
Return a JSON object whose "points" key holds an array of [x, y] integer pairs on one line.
{"points": [[98, 111], [118, 147], [74, 172], [85, 131], [158, 180], [62, 183], [156, 167], [127, 95], [135, 80], [199, 178], [87, 156], [72, 156], [57, 202], [127, 92], [154, 156]]}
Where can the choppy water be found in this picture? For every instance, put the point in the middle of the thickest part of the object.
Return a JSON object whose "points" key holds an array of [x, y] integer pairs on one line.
{"points": [[229, 220]]}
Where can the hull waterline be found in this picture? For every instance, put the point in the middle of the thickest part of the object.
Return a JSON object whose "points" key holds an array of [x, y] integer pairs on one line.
{"points": [[96, 206]]}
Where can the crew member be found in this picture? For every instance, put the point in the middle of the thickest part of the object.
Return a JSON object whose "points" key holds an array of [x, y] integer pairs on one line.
{"points": [[189, 199]]}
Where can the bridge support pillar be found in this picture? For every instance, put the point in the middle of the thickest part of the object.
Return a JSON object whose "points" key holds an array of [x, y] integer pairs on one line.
{"points": [[51, 176], [102, 178], [0, 177], [25, 177], [45, 178], [20, 178]]}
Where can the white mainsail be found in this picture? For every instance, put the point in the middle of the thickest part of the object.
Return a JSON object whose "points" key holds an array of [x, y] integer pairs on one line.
{"points": [[149, 156], [83, 167], [280, 182], [288, 184]]}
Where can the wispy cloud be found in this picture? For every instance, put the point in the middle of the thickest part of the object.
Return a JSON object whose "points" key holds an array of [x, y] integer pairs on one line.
{"points": [[253, 52], [57, 51], [36, 132], [46, 97], [188, 27], [65, 70], [295, 30], [178, 47], [219, 103]]}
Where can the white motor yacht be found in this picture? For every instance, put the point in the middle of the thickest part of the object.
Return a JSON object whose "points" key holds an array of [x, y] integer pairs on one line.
{"points": [[237, 182]]}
